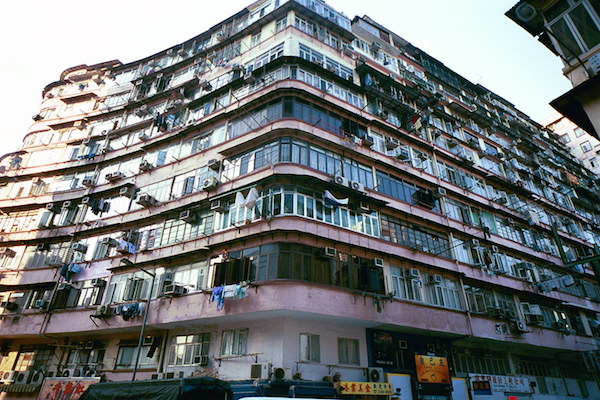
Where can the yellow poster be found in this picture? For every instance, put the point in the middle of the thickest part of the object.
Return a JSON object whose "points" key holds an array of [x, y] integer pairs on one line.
{"points": [[367, 388], [431, 369]]}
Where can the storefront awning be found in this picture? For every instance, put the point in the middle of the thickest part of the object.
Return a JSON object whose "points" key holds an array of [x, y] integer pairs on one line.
{"points": [[26, 388]]}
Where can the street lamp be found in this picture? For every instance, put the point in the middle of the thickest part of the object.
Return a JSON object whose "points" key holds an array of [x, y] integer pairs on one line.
{"points": [[141, 339]]}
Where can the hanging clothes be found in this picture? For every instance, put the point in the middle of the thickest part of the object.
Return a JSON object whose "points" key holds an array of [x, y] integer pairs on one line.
{"points": [[240, 201], [251, 198], [331, 200], [217, 295]]}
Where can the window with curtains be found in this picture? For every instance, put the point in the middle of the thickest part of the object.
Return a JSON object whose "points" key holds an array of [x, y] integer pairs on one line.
{"points": [[188, 350], [299, 262], [348, 351], [310, 349], [234, 342]]}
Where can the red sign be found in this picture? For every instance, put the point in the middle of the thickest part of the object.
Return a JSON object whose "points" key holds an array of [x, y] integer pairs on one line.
{"points": [[65, 388]]}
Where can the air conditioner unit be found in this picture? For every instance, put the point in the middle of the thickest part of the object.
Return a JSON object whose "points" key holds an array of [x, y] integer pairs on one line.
{"points": [[105, 149], [521, 326], [413, 273], [434, 279], [214, 164], [145, 200], [217, 206], [357, 186], [340, 180], [71, 372], [143, 136], [249, 78], [495, 249], [210, 184], [452, 143], [103, 311], [127, 191], [145, 166], [205, 85], [43, 247], [23, 377], [526, 12], [187, 216], [98, 282], [36, 377], [281, 374], [260, 371], [378, 262], [79, 247], [86, 141], [85, 200], [41, 304], [173, 290], [375, 374], [67, 204], [474, 242], [391, 142], [8, 377], [53, 207], [114, 176], [440, 192], [55, 261], [364, 207], [8, 253], [108, 241], [330, 252], [87, 182], [534, 319]]}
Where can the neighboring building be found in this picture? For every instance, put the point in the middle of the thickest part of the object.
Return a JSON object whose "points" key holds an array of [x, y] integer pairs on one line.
{"points": [[581, 144], [318, 200], [571, 30]]}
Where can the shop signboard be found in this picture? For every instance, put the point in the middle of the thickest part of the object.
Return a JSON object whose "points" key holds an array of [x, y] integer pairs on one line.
{"points": [[432, 369], [367, 388], [502, 383], [65, 388]]}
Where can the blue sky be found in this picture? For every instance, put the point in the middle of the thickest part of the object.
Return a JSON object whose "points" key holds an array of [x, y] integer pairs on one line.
{"points": [[473, 37]]}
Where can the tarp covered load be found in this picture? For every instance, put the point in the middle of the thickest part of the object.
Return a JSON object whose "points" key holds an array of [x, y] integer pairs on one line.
{"points": [[168, 389]]}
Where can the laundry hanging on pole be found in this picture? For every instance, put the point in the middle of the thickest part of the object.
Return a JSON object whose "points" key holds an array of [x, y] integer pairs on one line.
{"points": [[251, 198]]}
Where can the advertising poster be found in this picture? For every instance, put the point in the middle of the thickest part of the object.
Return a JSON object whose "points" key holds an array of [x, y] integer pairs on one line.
{"points": [[431, 369]]}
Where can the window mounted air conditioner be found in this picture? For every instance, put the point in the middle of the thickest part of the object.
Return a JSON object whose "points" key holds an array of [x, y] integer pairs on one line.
{"points": [[108, 241], [87, 182], [41, 304], [174, 290], [521, 326], [495, 249], [55, 261], [36, 377], [357, 186], [205, 85], [23, 377], [53, 207], [67, 204], [378, 262], [440, 192], [187, 216], [8, 253], [364, 207], [375, 374], [391, 142], [340, 180], [474, 242], [413, 273], [98, 282], [145, 200], [214, 164], [330, 252], [249, 78], [145, 166], [114, 176], [127, 192], [281, 374], [143, 136], [79, 247], [86, 141], [434, 279], [71, 372], [260, 371], [217, 206], [103, 311], [210, 184], [8, 377]]}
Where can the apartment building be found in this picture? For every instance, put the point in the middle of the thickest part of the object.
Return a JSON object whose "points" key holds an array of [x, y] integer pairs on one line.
{"points": [[581, 144], [571, 30], [300, 204]]}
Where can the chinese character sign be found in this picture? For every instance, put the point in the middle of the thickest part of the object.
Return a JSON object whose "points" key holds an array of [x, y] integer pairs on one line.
{"points": [[65, 388], [367, 388], [431, 369]]}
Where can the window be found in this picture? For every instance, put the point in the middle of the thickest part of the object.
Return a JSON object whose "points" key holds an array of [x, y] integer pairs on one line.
{"points": [[575, 27], [586, 146], [127, 355], [565, 138], [234, 342], [348, 351], [189, 350], [255, 39], [310, 349], [281, 24], [578, 132]]}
